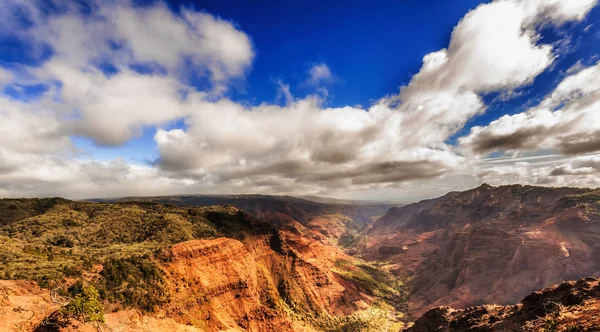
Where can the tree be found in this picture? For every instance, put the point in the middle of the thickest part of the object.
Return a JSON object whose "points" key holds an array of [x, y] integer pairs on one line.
{"points": [[85, 307]]}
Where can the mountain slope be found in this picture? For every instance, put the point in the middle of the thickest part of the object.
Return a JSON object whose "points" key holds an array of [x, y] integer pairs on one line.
{"points": [[572, 306], [204, 268], [489, 244], [299, 209]]}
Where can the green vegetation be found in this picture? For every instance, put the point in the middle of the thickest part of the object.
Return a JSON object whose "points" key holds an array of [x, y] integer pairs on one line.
{"points": [[111, 254], [113, 247], [349, 239], [134, 281], [85, 307], [368, 320], [375, 281], [589, 200]]}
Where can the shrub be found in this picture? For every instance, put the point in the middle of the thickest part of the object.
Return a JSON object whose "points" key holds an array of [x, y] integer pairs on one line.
{"points": [[85, 307], [61, 241], [550, 326], [70, 223], [135, 282]]}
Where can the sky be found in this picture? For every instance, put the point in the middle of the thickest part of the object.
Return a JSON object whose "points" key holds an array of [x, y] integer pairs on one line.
{"points": [[371, 100]]}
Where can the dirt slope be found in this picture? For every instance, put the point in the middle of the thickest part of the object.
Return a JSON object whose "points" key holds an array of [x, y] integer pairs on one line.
{"points": [[489, 244], [160, 267], [572, 306]]}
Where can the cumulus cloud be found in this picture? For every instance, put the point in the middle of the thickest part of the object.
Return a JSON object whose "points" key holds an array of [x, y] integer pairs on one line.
{"points": [[123, 34], [110, 107], [400, 138], [552, 170], [494, 48], [120, 69], [111, 110], [567, 120], [30, 129], [584, 165]]}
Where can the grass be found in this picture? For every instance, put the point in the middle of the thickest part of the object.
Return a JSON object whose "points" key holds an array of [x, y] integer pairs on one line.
{"points": [[374, 280], [589, 200], [118, 249], [56, 241]]}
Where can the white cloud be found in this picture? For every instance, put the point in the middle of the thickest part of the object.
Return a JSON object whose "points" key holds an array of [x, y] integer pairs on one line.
{"points": [[580, 171], [5, 77], [122, 34], [111, 110], [567, 120], [154, 34], [27, 128], [493, 48], [399, 143], [283, 92], [583, 165], [318, 74]]}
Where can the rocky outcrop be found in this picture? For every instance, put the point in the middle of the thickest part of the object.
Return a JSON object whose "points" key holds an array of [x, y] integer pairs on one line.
{"points": [[23, 305], [162, 267], [489, 244], [264, 283], [570, 306], [216, 286]]}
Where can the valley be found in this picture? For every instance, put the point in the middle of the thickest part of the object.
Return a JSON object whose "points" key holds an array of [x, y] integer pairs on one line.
{"points": [[196, 268], [273, 263]]}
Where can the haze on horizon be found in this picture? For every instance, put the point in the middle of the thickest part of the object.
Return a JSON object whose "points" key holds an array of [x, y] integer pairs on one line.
{"points": [[371, 101]]}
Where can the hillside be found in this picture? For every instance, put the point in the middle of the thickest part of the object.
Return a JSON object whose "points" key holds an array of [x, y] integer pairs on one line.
{"points": [[289, 264], [186, 268], [489, 244], [299, 209], [572, 306]]}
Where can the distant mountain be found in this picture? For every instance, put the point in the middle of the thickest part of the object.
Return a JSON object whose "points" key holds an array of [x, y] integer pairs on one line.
{"points": [[489, 244], [330, 200], [266, 263], [302, 210]]}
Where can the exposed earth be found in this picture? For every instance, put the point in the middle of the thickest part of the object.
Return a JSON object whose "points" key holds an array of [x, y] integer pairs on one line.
{"points": [[269, 263]]}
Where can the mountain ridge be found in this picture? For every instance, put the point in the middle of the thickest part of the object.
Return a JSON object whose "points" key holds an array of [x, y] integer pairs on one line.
{"points": [[209, 268], [572, 306], [521, 237]]}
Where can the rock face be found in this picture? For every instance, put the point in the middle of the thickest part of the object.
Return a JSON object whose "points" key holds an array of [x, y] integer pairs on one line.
{"points": [[254, 283], [163, 267], [218, 285], [570, 306], [489, 244], [23, 305]]}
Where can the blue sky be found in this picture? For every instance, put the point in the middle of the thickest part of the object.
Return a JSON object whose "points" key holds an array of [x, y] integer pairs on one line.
{"points": [[354, 40], [360, 43], [374, 100]]}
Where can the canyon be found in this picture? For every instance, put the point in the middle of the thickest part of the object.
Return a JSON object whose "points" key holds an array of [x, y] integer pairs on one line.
{"points": [[160, 267], [278, 263], [489, 244]]}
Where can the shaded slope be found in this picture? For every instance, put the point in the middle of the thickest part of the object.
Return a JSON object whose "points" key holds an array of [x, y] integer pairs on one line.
{"points": [[299, 209], [572, 306], [209, 268], [489, 244]]}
